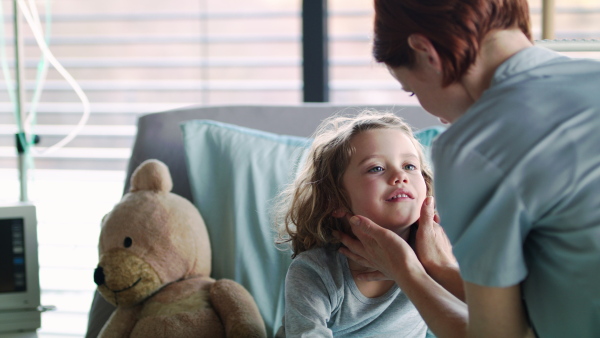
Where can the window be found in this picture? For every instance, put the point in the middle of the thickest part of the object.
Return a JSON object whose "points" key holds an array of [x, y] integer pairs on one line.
{"points": [[130, 58], [354, 76], [142, 56]]}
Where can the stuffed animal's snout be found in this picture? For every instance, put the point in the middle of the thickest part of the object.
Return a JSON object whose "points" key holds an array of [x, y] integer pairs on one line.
{"points": [[99, 276], [125, 279]]}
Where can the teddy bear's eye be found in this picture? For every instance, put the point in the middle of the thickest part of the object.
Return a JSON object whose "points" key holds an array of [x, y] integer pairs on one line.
{"points": [[127, 242]]}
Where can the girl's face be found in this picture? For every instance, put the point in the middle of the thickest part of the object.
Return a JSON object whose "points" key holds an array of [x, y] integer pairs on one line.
{"points": [[384, 180]]}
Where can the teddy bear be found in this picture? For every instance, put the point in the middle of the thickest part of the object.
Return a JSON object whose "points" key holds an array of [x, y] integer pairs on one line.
{"points": [[155, 264]]}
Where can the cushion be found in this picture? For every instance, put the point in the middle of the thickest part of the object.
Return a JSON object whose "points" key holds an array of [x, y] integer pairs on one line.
{"points": [[235, 173], [426, 137]]}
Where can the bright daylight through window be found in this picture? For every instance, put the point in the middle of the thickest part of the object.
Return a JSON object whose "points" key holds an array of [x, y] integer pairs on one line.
{"points": [[142, 56]]}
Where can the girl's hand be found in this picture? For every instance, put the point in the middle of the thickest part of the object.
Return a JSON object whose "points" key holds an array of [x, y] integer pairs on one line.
{"points": [[380, 249]]}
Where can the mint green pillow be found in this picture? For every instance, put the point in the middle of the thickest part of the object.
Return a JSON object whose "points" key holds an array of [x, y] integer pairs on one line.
{"points": [[235, 173], [426, 137]]}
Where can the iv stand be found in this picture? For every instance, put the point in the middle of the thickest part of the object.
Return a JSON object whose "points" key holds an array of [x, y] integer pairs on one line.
{"points": [[21, 138]]}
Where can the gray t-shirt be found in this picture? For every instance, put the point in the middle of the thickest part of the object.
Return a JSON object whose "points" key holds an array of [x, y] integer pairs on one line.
{"points": [[322, 300], [517, 180]]}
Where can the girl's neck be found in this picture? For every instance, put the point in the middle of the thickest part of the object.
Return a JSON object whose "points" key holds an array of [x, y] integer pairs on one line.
{"points": [[369, 289], [373, 289], [403, 232]]}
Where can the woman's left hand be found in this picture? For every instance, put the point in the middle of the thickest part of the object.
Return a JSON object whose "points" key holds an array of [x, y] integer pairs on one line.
{"points": [[379, 249]]}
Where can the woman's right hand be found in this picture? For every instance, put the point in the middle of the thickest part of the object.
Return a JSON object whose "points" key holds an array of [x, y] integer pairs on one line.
{"points": [[434, 250], [431, 243]]}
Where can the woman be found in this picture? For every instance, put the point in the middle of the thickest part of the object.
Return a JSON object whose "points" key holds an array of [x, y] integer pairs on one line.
{"points": [[517, 174]]}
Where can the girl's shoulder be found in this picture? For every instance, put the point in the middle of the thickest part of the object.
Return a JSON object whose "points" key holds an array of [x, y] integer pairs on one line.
{"points": [[318, 269], [326, 263], [321, 255]]}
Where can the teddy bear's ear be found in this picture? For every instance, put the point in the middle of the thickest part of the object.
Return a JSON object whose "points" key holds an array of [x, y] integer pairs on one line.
{"points": [[151, 175]]}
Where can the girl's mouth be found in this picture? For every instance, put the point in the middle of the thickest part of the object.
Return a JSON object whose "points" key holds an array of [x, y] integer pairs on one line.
{"points": [[396, 197]]}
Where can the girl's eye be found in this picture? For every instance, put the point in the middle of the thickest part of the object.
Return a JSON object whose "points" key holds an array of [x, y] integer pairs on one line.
{"points": [[410, 167], [376, 169]]}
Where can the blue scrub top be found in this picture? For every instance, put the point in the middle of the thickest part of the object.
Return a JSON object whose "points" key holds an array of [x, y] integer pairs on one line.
{"points": [[517, 180]]}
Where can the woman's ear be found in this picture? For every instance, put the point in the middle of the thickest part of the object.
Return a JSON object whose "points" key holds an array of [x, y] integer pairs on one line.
{"points": [[425, 50], [339, 213]]}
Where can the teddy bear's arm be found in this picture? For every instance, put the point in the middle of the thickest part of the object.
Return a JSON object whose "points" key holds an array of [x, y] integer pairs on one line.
{"points": [[120, 323], [237, 309]]}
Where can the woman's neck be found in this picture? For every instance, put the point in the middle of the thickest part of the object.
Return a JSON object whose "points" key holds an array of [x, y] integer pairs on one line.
{"points": [[497, 47]]}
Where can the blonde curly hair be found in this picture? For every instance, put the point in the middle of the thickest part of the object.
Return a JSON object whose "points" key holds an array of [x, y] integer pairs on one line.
{"points": [[303, 211]]}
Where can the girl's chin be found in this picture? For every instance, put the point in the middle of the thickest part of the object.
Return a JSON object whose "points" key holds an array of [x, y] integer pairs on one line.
{"points": [[401, 230]]}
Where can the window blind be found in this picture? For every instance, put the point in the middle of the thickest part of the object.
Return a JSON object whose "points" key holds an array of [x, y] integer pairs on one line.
{"points": [[136, 57], [130, 58]]}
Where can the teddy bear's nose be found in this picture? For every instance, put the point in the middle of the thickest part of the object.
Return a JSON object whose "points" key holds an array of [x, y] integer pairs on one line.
{"points": [[99, 276]]}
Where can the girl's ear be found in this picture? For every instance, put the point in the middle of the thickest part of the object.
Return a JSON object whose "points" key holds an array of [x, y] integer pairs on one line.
{"points": [[339, 213]]}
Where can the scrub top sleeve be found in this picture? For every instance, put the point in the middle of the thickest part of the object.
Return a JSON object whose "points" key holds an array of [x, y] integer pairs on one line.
{"points": [[483, 216]]}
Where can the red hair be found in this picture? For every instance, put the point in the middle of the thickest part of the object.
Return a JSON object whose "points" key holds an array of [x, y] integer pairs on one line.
{"points": [[455, 28]]}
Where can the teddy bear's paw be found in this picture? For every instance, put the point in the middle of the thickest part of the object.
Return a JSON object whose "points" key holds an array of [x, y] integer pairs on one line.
{"points": [[246, 330], [203, 323], [237, 309]]}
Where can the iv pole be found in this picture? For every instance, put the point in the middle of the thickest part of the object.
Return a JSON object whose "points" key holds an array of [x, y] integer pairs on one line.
{"points": [[23, 143], [21, 138]]}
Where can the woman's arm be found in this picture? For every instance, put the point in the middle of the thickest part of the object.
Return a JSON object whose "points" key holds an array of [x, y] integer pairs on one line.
{"points": [[496, 312], [491, 312], [383, 250]]}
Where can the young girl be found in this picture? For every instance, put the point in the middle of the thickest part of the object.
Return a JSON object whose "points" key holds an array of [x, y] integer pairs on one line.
{"points": [[371, 165]]}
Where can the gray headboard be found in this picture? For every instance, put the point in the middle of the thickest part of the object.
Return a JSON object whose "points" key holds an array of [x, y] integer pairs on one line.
{"points": [[159, 135]]}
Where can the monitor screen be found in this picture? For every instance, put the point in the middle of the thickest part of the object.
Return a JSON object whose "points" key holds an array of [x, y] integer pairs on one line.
{"points": [[19, 268], [12, 255]]}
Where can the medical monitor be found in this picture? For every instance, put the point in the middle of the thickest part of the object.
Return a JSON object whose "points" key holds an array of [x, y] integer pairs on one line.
{"points": [[19, 269]]}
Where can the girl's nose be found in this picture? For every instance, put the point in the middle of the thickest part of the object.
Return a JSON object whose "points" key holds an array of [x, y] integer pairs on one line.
{"points": [[399, 176]]}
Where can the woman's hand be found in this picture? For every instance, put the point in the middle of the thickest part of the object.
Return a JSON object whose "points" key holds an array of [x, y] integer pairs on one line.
{"points": [[380, 249], [434, 250], [431, 243], [383, 250], [393, 258]]}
